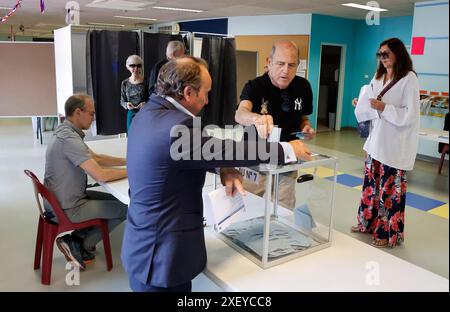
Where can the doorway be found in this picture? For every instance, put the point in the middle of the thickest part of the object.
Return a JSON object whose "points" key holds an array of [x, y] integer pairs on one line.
{"points": [[246, 69], [330, 87]]}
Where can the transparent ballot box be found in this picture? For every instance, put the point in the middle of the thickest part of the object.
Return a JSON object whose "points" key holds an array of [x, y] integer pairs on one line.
{"points": [[287, 211]]}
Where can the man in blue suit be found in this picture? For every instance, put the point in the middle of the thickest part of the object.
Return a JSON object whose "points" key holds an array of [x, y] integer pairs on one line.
{"points": [[163, 247]]}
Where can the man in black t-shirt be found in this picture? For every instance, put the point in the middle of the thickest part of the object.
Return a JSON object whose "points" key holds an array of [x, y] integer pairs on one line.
{"points": [[280, 98]]}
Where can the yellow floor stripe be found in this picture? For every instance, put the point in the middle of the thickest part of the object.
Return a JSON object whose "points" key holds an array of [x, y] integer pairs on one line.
{"points": [[358, 187], [322, 172], [441, 211]]}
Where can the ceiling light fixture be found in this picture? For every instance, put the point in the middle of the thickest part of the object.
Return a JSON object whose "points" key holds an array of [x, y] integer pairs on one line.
{"points": [[5, 8], [136, 18], [364, 7], [105, 24], [120, 5], [177, 9]]}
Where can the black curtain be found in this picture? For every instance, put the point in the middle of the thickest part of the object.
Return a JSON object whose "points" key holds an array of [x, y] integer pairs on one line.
{"points": [[220, 53], [155, 49], [108, 53]]}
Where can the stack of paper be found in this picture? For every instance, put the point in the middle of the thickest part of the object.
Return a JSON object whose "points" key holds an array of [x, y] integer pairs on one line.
{"points": [[222, 210], [303, 217]]}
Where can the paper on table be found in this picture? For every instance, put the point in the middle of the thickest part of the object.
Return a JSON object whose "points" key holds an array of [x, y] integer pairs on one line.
{"points": [[222, 210], [363, 110]]}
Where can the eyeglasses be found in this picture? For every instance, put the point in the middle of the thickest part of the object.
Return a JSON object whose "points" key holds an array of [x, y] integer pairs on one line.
{"points": [[382, 55], [135, 65], [92, 113]]}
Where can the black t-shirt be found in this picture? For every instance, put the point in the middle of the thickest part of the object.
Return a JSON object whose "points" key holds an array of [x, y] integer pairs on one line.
{"points": [[268, 99], [154, 76]]}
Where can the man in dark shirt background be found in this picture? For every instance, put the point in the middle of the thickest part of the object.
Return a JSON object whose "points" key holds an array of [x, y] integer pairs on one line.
{"points": [[175, 49]]}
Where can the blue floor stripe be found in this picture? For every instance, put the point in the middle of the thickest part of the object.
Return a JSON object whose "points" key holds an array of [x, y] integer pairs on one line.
{"points": [[414, 200], [422, 202], [347, 180]]}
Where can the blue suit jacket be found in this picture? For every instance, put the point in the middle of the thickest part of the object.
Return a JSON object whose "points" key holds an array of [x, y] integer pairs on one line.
{"points": [[164, 241]]}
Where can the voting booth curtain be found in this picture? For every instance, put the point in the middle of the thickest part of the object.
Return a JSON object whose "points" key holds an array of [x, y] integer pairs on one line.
{"points": [[108, 53], [220, 53]]}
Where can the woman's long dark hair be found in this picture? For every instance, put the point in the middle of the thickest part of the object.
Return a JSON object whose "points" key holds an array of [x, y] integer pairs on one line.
{"points": [[403, 63]]}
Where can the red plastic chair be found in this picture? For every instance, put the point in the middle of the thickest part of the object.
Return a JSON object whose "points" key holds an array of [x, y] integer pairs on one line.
{"points": [[49, 230], [445, 150]]}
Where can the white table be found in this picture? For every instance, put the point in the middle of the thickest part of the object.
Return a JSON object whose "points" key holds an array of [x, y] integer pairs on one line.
{"points": [[439, 136], [348, 265], [118, 148]]}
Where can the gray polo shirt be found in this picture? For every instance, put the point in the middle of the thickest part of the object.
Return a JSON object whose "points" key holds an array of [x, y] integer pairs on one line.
{"points": [[63, 174]]}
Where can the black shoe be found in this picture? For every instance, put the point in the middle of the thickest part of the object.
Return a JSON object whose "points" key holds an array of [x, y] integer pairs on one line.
{"points": [[91, 250], [71, 250], [86, 255]]}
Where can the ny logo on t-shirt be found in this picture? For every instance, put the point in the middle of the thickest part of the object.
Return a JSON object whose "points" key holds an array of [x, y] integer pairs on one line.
{"points": [[298, 104]]}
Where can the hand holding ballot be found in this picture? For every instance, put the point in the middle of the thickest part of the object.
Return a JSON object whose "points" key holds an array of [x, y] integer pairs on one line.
{"points": [[221, 209], [363, 108]]}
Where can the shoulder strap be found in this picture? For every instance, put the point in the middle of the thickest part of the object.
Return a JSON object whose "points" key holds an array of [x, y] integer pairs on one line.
{"points": [[386, 89]]}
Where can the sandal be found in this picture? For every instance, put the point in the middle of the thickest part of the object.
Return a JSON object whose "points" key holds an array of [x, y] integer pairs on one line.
{"points": [[356, 229], [380, 243]]}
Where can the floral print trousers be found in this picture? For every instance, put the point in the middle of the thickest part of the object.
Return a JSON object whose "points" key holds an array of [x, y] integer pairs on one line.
{"points": [[382, 208]]}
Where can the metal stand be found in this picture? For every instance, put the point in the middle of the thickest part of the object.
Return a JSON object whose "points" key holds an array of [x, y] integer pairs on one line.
{"points": [[39, 128]]}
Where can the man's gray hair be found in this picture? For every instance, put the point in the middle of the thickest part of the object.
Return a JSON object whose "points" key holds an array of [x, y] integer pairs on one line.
{"points": [[178, 74], [286, 43], [175, 46], [75, 101]]}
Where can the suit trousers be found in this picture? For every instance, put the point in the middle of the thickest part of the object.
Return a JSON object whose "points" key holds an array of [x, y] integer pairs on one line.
{"points": [[99, 205]]}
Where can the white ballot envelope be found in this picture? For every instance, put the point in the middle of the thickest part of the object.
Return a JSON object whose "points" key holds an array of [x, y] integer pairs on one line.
{"points": [[275, 135], [363, 110], [222, 210]]}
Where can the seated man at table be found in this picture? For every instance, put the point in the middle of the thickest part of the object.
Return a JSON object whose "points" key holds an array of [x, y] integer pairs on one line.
{"points": [[164, 247], [68, 159]]}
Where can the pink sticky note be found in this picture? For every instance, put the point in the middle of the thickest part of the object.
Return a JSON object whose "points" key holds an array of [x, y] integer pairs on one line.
{"points": [[418, 45]]}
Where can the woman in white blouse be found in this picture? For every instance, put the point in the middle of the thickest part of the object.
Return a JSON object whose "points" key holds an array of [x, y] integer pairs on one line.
{"points": [[391, 146]]}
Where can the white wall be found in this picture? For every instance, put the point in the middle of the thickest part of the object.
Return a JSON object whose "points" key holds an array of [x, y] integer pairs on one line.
{"points": [[79, 61], [292, 24], [431, 21], [63, 66]]}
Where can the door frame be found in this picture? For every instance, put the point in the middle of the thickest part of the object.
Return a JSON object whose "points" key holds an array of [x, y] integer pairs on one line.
{"points": [[337, 126]]}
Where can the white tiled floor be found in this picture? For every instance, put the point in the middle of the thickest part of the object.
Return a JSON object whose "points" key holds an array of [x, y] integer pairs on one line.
{"points": [[426, 245]]}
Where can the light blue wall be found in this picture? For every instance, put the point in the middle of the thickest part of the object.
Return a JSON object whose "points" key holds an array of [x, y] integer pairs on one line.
{"points": [[329, 29], [367, 42], [362, 43]]}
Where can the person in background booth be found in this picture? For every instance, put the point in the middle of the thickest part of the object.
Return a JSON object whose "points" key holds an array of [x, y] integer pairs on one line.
{"points": [[133, 90], [174, 50]]}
